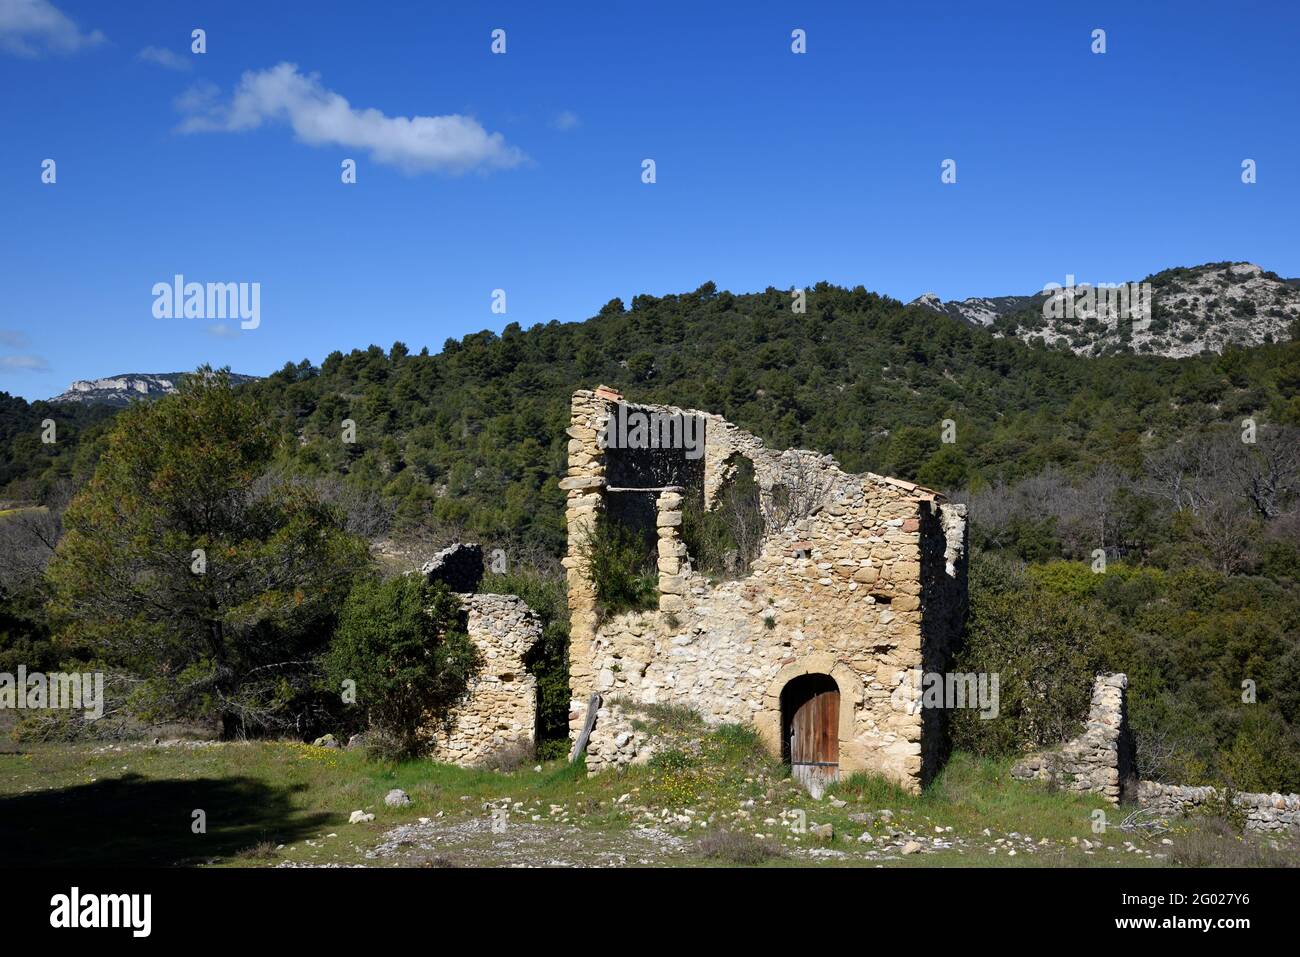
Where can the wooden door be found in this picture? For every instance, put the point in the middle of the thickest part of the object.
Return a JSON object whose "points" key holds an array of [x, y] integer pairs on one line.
{"points": [[812, 722]]}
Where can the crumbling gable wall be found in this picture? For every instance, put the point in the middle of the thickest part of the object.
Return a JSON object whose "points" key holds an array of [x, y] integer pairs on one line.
{"points": [[838, 591], [499, 708]]}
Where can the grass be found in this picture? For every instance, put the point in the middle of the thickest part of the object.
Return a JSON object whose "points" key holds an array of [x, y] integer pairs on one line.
{"points": [[711, 796], [23, 509], [737, 848]]}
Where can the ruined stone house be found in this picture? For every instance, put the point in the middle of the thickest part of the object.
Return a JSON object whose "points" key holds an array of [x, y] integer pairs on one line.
{"points": [[857, 587], [856, 590]]}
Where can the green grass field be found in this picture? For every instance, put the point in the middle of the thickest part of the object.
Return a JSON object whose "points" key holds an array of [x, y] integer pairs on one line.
{"points": [[716, 800]]}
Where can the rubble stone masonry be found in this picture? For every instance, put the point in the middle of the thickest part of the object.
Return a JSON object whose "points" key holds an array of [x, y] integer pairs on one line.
{"points": [[1099, 761], [500, 706], [1102, 761], [866, 584]]}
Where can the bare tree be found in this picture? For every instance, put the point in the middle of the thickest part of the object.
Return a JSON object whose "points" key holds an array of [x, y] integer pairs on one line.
{"points": [[28, 537], [1268, 469], [804, 483], [1229, 533]]}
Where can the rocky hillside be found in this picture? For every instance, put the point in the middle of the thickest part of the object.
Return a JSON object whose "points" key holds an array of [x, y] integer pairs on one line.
{"points": [[122, 390], [1191, 310]]}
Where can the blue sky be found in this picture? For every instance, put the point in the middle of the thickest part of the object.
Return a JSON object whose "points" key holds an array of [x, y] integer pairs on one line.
{"points": [[772, 168]]}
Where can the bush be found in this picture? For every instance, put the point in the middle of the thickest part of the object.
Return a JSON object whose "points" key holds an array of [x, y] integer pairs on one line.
{"points": [[403, 644], [621, 568], [737, 847], [1043, 647], [1262, 757], [511, 756]]}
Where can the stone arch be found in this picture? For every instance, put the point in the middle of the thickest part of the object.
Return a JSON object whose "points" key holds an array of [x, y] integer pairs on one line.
{"points": [[849, 683]]}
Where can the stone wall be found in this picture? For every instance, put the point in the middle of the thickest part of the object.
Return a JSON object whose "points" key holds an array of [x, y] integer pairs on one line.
{"points": [[458, 566], [1102, 761], [842, 590], [1263, 812], [500, 707], [1099, 761], [943, 569]]}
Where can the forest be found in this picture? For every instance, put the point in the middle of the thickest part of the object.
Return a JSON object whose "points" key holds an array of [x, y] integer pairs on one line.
{"points": [[1178, 476]]}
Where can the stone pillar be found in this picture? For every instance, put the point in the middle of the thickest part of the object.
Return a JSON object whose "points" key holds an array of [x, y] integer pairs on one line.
{"points": [[583, 483], [672, 551]]}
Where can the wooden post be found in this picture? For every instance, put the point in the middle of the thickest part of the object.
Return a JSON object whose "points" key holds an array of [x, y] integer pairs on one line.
{"points": [[580, 747]]}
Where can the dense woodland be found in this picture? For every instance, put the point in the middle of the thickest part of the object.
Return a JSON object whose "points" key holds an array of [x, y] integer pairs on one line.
{"points": [[1059, 456]]}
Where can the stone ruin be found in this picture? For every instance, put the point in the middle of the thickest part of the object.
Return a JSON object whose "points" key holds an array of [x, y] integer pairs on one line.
{"points": [[499, 709], [1102, 761], [1099, 761], [858, 584], [458, 566], [858, 588]]}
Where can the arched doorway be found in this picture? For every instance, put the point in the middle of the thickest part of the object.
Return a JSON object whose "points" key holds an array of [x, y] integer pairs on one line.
{"points": [[810, 730]]}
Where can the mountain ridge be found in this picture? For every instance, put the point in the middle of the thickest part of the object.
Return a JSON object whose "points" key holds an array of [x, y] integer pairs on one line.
{"points": [[121, 390], [1193, 309]]}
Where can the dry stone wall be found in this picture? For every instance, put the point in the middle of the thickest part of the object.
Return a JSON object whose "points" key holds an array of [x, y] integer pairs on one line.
{"points": [[1262, 812], [500, 706], [844, 589], [1099, 761]]}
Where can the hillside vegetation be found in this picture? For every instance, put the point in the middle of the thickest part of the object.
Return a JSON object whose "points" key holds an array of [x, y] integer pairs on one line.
{"points": [[1121, 519]]}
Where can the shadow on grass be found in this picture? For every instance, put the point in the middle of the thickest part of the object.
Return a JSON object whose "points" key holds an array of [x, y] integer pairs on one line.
{"points": [[144, 822]]}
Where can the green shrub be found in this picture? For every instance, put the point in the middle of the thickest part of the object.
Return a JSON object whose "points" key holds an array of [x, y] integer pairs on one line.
{"points": [[401, 641], [1262, 757], [1045, 650], [672, 760], [621, 568], [734, 744]]}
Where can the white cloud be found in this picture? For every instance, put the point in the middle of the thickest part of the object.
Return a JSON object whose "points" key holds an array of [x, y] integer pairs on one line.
{"points": [[13, 339], [163, 57], [320, 117], [24, 364], [222, 331], [199, 99], [566, 120], [32, 27]]}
